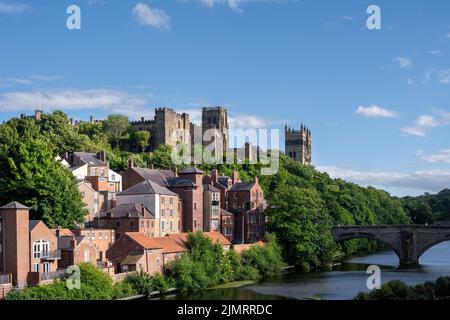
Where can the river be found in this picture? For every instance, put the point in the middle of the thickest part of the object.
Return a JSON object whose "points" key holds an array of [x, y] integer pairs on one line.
{"points": [[342, 283]]}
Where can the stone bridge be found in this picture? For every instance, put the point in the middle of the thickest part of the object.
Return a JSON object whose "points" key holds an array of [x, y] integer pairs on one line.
{"points": [[409, 242]]}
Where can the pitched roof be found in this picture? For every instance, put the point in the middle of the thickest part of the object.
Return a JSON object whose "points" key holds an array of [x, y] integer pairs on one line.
{"points": [[132, 258], [147, 187], [63, 232], [189, 170], [134, 210], [174, 243], [242, 186], [14, 205], [179, 182], [224, 212], [33, 223], [155, 175], [210, 187], [143, 240], [89, 158], [223, 180]]}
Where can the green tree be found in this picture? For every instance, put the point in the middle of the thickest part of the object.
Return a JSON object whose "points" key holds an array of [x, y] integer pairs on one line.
{"points": [[115, 126], [299, 219], [141, 139], [32, 177], [162, 157]]}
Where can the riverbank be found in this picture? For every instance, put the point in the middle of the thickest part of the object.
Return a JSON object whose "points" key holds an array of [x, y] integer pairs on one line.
{"points": [[342, 283]]}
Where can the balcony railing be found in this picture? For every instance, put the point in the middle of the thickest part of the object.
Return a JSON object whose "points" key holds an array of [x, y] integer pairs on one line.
{"points": [[5, 279], [51, 255], [59, 274]]}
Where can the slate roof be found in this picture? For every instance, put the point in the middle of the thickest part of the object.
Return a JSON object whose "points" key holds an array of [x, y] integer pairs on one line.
{"points": [[224, 212], [242, 186], [223, 180], [158, 176], [210, 187], [191, 170], [14, 205], [132, 258], [89, 158], [179, 182], [33, 223], [147, 187], [122, 211]]}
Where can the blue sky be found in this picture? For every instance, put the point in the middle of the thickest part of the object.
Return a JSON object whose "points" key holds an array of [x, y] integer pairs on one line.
{"points": [[377, 101]]}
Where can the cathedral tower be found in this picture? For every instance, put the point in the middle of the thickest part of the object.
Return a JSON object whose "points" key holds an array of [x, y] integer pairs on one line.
{"points": [[216, 118], [298, 144]]}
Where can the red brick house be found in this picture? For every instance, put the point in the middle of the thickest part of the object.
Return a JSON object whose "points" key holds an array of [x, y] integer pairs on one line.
{"points": [[75, 250], [44, 253], [135, 251], [188, 184], [246, 201], [127, 218], [211, 208], [227, 224]]}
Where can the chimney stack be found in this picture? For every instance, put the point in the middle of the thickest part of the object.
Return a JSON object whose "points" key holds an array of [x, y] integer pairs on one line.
{"points": [[175, 171], [37, 114], [235, 178], [214, 175], [102, 155], [131, 163]]}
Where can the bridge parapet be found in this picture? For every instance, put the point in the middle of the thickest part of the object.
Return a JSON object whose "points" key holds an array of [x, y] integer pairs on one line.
{"points": [[409, 242]]}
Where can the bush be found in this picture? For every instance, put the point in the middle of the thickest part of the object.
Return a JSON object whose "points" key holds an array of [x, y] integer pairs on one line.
{"points": [[123, 290], [266, 259], [95, 285], [397, 290]]}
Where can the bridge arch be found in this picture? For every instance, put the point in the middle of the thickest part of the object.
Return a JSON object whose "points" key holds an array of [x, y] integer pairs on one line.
{"points": [[367, 235], [421, 250]]}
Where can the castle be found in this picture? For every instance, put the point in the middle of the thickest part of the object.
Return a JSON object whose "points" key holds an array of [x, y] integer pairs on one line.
{"points": [[169, 127], [298, 144]]}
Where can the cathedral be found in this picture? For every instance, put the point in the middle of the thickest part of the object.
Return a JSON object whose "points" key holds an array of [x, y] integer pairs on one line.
{"points": [[170, 128], [298, 144]]}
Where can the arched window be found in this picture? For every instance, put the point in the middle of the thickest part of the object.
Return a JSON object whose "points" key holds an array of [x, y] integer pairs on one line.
{"points": [[40, 249]]}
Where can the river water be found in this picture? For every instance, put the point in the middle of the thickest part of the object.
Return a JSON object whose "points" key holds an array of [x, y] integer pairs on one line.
{"points": [[340, 284]]}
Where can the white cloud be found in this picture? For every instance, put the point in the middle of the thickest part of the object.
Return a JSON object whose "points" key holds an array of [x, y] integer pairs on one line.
{"points": [[113, 101], [233, 4], [5, 82], [376, 112], [409, 81], [235, 121], [246, 121], [425, 122], [404, 62], [147, 16], [441, 76], [448, 35], [443, 156], [431, 180], [436, 52], [13, 8]]}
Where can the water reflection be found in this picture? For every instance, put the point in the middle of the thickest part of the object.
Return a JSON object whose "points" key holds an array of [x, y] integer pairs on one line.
{"points": [[340, 284]]}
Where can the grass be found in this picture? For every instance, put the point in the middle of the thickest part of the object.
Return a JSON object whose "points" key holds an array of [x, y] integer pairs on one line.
{"points": [[234, 284]]}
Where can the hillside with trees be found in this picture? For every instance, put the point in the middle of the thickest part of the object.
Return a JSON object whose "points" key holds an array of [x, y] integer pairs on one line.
{"points": [[428, 208], [303, 202]]}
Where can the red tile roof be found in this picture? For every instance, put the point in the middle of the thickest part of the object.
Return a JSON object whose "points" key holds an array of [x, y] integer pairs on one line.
{"points": [[174, 243], [63, 232]]}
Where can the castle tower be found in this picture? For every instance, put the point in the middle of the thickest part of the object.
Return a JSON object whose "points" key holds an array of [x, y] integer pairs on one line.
{"points": [[216, 118], [170, 128], [298, 144]]}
